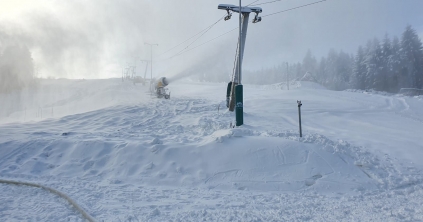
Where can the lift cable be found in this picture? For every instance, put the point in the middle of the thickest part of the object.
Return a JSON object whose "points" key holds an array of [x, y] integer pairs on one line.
{"points": [[251, 4], [182, 52], [267, 2], [178, 54], [202, 32], [294, 8], [186, 48], [202, 43]]}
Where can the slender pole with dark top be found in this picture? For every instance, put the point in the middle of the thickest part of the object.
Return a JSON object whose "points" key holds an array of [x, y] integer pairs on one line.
{"points": [[299, 115]]}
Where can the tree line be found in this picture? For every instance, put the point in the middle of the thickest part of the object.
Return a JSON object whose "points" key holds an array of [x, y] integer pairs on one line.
{"points": [[387, 65]]}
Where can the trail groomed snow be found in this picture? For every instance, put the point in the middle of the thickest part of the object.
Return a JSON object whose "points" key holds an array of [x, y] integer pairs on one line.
{"points": [[129, 156]]}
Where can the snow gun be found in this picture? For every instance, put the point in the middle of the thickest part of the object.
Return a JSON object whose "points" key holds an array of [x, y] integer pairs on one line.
{"points": [[159, 88]]}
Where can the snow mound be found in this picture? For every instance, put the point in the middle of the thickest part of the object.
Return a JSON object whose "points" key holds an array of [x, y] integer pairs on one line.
{"points": [[241, 158]]}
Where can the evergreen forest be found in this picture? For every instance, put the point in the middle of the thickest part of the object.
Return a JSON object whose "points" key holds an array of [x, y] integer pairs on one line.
{"points": [[382, 65]]}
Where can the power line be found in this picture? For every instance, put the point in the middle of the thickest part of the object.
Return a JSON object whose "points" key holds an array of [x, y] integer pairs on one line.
{"points": [[294, 8]]}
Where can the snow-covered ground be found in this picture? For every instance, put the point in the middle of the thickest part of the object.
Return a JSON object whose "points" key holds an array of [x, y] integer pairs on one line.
{"points": [[124, 155]]}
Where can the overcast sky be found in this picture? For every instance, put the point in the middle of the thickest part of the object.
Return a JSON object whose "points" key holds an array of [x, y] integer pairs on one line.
{"points": [[95, 39]]}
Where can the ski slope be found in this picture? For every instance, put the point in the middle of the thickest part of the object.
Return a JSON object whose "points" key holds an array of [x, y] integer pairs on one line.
{"points": [[123, 155]]}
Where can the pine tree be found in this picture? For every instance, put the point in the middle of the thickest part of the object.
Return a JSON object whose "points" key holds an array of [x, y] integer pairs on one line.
{"points": [[373, 61], [321, 72], [359, 70], [344, 64], [370, 66], [378, 61], [395, 66], [331, 69], [309, 64], [412, 51], [386, 72]]}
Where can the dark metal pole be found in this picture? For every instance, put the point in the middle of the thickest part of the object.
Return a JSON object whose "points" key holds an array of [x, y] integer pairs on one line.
{"points": [[299, 115]]}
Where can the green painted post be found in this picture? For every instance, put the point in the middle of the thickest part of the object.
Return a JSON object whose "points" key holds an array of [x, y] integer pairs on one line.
{"points": [[299, 116], [239, 104]]}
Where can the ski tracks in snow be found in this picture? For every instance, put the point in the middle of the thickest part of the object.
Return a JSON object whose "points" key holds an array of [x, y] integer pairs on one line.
{"points": [[149, 132], [116, 201], [396, 104], [178, 120], [404, 111]]}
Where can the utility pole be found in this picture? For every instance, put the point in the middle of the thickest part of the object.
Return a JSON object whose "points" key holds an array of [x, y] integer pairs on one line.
{"points": [[236, 94], [151, 59]]}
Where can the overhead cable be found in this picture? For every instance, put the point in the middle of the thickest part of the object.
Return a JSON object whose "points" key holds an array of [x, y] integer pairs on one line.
{"points": [[294, 8], [210, 27], [251, 4], [202, 32], [187, 50], [267, 2], [180, 53]]}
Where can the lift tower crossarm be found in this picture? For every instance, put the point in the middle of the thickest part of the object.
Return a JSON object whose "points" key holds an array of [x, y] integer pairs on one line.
{"points": [[235, 8]]}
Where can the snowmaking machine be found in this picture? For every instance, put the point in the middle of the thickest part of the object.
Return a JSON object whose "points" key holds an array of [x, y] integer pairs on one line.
{"points": [[160, 88]]}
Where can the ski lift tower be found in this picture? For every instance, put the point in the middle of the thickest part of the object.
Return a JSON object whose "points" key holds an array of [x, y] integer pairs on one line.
{"points": [[236, 91]]}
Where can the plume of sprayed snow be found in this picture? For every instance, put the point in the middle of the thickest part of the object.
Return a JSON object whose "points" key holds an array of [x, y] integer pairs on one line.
{"points": [[92, 39], [179, 76], [80, 39]]}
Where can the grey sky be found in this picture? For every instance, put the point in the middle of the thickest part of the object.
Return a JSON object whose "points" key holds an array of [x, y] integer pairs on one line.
{"points": [[94, 39]]}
